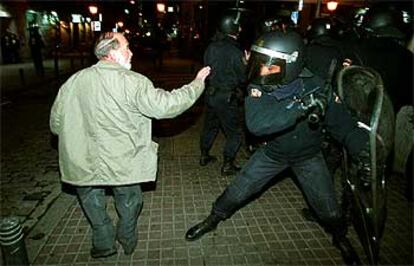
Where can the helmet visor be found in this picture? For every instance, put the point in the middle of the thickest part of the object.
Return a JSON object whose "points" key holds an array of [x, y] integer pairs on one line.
{"points": [[265, 70]]}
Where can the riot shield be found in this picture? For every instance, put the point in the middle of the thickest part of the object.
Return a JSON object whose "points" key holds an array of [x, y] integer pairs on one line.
{"points": [[362, 90]]}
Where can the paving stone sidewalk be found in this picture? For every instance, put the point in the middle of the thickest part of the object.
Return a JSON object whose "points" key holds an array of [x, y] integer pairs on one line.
{"points": [[268, 231]]}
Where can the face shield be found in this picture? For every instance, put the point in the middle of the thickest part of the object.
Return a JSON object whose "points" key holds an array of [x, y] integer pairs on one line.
{"points": [[268, 67]]}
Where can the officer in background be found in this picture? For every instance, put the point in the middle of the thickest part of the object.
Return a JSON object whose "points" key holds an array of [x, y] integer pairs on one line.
{"points": [[281, 100], [228, 67], [383, 47], [323, 51], [10, 46], [282, 21], [36, 45]]}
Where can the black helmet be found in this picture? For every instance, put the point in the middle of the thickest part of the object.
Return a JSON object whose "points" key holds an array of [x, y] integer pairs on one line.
{"points": [[230, 24], [319, 27], [382, 21], [280, 49], [277, 23]]}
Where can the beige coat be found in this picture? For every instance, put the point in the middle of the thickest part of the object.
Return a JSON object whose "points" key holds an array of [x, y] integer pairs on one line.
{"points": [[102, 115]]}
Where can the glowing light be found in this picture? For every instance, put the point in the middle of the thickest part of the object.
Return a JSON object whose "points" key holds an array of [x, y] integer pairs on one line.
{"points": [[332, 5], [93, 9], [161, 7], [4, 13]]}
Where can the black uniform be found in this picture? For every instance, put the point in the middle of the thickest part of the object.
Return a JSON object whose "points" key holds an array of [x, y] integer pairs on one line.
{"points": [[227, 74], [392, 61], [292, 136], [320, 53]]}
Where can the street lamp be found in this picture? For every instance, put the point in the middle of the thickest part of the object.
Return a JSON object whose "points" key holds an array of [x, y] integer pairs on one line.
{"points": [[161, 7], [332, 5], [93, 10]]}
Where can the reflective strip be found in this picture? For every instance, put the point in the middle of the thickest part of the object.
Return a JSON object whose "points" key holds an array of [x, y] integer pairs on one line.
{"points": [[11, 239], [364, 126], [290, 58]]}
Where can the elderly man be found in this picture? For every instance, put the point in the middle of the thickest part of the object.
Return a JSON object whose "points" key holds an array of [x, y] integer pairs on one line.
{"points": [[102, 116]]}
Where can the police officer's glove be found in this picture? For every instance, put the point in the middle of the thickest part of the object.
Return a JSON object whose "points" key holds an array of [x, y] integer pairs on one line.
{"points": [[363, 164], [315, 105]]}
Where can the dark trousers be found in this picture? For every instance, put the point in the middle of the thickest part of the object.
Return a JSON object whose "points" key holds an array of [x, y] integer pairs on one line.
{"points": [[312, 175], [128, 204], [222, 113]]}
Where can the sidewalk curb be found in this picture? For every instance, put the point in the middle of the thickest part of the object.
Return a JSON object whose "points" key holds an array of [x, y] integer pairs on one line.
{"points": [[39, 235]]}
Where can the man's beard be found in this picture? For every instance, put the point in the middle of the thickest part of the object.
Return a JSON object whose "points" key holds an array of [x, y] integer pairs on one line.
{"points": [[122, 61]]}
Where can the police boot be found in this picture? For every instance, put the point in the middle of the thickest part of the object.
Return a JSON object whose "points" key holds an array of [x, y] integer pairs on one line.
{"points": [[348, 253], [205, 158], [229, 168], [197, 231], [309, 215]]}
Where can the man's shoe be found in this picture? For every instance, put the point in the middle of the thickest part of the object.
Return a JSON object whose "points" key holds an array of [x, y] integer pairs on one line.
{"points": [[197, 231], [206, 159], [348, 253], [102, 253], [229, 168]]}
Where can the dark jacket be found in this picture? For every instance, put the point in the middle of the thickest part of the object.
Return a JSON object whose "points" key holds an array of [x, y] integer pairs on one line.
{"points": [[290, 136], [320, 53], [392, 61], [225, 57]]}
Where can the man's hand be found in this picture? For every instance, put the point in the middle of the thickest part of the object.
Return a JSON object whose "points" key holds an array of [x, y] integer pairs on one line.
{"points": [[314, 106], [203, 73], [315, 101]]}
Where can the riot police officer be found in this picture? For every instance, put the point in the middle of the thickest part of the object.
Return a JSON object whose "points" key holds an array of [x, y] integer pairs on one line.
{"points": [[323, 51], [382, 46], [228, 67], [281, 98]]}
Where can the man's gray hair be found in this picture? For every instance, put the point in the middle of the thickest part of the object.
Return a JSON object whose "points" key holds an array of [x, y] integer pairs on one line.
{"points": [[106, 42]]}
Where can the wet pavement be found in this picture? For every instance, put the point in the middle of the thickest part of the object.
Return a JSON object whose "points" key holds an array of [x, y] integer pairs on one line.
{"points": [[268, 231]]}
